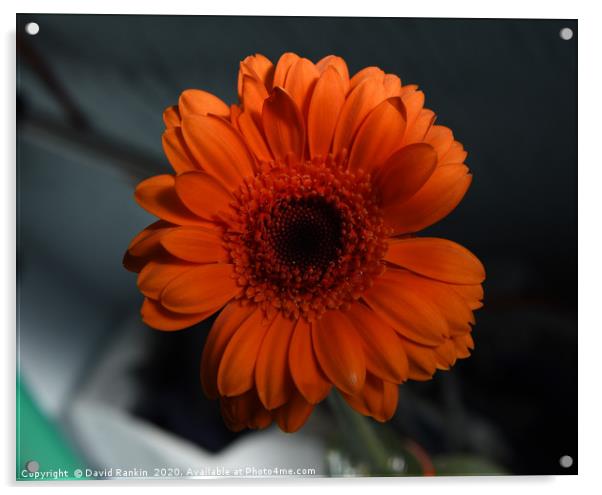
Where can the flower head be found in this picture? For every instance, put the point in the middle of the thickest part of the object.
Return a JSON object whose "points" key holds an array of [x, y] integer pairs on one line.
{"points": [[295, 213]]}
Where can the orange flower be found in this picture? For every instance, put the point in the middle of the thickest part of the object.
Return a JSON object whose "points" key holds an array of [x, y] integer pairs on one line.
{"points": [[296, 212]]}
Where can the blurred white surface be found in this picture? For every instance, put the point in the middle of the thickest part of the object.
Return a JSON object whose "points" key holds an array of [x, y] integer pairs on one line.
{"points": [[110, 437]]}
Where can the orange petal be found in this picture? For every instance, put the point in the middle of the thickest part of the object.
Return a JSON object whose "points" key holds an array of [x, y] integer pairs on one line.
{"points": [[445, 355], [326, 103], [235, 111], [244, 411], [253, 97], [359, 103], [413, 103], [462, 350], [171, 117], [300, 83], [283, 125], [196, 244], [263, 67], [404, 173], [147, 243], [222, 331], [203, 194], [417, 131], [422, 360], [455, 154], [440, 138], [357, 402], [339, 351], [156, 316], [148, 231], [305, 371], [408, 88], [292, 416], [366, 73], [231, 419], [392, 85], [450, 304], [133, 263], [199, 102], [219, 148], [434, 201], [440, 259], [379, 136], [378, 399], [200, 289], [338, 64], [469, 341], [394, 299], [155, 276], [385, 356], [261, 418], [157, 195], [257, 66], [272, 376], [390, 399], [472, 294], [254, 137], [282, 68], [237, 366], [177, 152]]}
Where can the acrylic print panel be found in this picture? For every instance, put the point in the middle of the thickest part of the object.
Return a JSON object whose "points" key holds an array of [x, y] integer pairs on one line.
{"points": [[295, 247]]}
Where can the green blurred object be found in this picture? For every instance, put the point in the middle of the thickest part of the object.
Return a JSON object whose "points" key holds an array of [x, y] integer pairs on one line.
{"points": [[466, 465], [39, 441], [365, 447]]}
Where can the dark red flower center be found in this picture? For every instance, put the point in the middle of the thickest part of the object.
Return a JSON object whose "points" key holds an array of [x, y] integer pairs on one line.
{"points": [[306, 233], [309, 237]]}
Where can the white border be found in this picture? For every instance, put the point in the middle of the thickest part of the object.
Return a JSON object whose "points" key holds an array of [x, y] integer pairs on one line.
{"points": [[590, 183]]}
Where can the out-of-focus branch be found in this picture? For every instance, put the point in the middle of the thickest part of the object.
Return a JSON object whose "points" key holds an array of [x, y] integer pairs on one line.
{"points": [[51, 81], [75, 134], [134, 164]]}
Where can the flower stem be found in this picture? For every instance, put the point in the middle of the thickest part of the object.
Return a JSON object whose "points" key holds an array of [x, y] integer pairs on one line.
{"points": [[360, 435]]}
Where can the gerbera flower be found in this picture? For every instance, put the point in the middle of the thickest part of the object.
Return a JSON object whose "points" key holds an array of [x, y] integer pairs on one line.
{"points": [[295, 213]]}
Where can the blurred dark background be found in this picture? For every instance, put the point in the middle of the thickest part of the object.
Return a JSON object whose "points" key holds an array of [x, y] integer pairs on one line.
{"points": [[90, 94]]}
